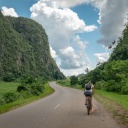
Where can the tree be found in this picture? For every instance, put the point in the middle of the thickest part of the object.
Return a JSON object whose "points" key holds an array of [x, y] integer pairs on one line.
{"points": [[73, 80]]}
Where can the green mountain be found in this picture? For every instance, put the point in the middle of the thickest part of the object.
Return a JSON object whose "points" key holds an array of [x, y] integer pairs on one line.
{"points": [[24, 49]]}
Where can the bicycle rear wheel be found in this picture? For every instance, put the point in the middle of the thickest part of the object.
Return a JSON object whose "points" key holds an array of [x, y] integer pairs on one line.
{"points": [[88, 107]]}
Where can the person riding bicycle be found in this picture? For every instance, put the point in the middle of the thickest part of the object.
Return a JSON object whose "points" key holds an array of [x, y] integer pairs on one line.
{"points": [[89, 91]]}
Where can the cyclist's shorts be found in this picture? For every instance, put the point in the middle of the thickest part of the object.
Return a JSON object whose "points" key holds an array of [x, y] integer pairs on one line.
{"points": [[88, 93]]}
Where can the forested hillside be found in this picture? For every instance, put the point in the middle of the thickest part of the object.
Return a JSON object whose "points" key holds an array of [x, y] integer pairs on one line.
{"points": [[121, 50], [24, 49], [113, 74]]}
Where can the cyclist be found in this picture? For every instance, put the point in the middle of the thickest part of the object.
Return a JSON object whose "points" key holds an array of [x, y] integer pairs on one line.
{"points": [[88, 91]]}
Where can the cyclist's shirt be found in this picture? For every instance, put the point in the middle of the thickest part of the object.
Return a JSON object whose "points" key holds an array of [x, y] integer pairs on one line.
{"points": [[90, 89]]}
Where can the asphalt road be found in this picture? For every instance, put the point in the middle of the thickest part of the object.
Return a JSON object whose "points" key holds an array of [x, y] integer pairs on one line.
{"points": [[63, 109]]}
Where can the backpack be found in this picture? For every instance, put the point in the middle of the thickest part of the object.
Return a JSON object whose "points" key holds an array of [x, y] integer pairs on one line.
{"points": [[88, 86]]}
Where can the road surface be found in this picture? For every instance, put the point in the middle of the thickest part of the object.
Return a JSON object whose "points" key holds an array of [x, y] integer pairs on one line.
{"points": [[63, 109]]}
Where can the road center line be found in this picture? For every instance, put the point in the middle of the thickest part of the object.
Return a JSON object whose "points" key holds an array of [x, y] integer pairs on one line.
{"points": [[57, 106]]}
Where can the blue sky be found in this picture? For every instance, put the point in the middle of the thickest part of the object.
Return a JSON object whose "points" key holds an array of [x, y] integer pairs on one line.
{"points": [[79, 31]]}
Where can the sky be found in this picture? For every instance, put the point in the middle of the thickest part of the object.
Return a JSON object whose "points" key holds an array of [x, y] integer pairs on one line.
{"points": [[79, 31]]}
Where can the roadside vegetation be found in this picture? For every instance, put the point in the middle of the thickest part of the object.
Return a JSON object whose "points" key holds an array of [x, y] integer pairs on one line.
{"points": [[29, 89]]}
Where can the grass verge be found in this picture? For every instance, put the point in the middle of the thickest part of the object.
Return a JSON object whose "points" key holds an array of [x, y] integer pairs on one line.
{"points": [[10, 106], [7, 87], [119, 99], [116, 104]]}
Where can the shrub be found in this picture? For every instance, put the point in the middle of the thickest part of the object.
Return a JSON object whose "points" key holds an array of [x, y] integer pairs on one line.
{"points": [[31, 86], [1, 101], [22, 87], [64, 82], [10, 97], [100, 84], [73, 80], [124, 89], [110, 86], [8, 77], [25, 94], [36, 89], [28, 79]]}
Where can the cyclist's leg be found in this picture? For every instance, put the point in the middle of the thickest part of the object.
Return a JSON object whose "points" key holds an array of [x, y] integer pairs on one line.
{"points": [[85, 93], [91, 103], [86, 100], [91, 109]]}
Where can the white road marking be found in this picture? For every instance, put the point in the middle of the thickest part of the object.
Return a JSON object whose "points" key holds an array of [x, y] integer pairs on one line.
{"points": [[57, 106]]}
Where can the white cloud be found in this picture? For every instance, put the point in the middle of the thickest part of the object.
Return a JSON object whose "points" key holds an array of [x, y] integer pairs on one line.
{"points": [[72, 3], [71, 59], [62, 25], [101, 57], [79, 43], [9, 12], [53, 53], [112, 18], [77, 71], [69, 3]]}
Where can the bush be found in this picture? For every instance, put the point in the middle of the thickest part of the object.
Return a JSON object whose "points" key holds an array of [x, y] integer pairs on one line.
{"points": [[124, 89], [64, 82], [2, 101], [8, 77], [36, 89], [73, 80], [100, 84], [25, 94], [28, 79], [31, 86], [22, 87], [10, 97], [110, 86]]}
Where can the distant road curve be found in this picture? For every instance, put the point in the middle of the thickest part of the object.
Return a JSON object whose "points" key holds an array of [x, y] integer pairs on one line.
{"points": [[63, 109]]}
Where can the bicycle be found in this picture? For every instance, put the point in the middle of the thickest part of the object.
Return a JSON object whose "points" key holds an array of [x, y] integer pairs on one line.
{"points": [[88, 106]]}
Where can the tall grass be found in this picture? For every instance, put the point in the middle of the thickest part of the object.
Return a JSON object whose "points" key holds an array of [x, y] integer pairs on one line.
{"points": [[7, 87], [116, 97]]}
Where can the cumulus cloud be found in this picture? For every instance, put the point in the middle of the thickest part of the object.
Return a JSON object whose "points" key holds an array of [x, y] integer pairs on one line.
{"points": [[72, 59], [69, 3], [62, 25], [102, 57], [53, 53], [112, 17], [9, 12], [77, 71], [79, 43]]}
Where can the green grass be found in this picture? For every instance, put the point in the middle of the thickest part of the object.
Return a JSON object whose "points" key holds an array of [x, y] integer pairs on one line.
{"points": [[7, 87], [116, 97], [10, 106]]}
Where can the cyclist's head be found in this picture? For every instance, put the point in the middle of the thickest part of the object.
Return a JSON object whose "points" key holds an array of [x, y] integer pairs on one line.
{"points": [[90, 82]]}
